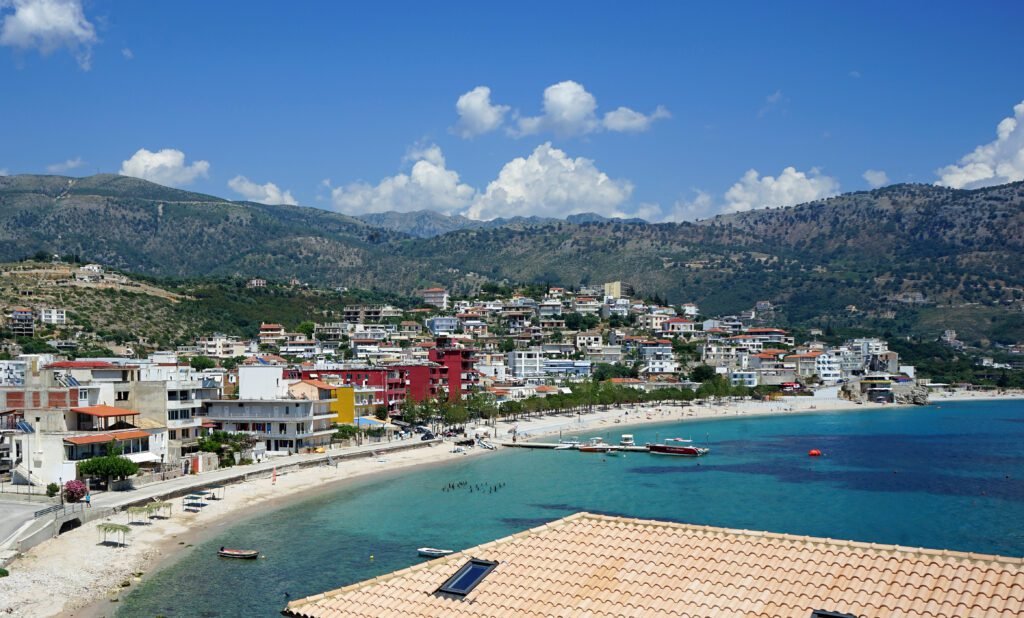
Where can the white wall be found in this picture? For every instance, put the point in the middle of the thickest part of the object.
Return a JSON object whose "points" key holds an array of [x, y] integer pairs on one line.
{"points": [[261, 382]]}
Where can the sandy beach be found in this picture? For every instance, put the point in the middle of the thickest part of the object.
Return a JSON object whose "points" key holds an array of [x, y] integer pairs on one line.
{"points": [[75, 575]]}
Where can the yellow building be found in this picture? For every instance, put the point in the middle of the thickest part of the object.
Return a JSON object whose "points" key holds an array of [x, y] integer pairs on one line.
{"points": [[351, 402]]}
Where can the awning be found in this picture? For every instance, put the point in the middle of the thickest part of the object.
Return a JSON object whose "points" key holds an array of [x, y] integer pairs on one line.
{"points": [[104, 411], [210, 425], [142, 457]]}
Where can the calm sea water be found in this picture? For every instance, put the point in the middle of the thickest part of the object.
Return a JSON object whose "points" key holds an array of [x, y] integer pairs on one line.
{"points": [[945, 476]]}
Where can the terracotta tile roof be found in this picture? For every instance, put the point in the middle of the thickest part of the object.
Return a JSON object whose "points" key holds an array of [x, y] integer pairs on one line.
{"points": [[594, 565], [128, 434], [320, 384], [104, 411]]}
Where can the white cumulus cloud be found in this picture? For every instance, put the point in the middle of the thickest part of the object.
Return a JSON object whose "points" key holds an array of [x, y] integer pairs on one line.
{"points": [[429, 185], [48, 25], [550, 183], [65, 166], [626, 120], [570, 110], [876, 178], [791, 187], [477, 115], [165, 167], [268, 193], [994, 163]]}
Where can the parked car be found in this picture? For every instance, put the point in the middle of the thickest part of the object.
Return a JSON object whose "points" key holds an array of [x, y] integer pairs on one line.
{"points": [[427, 436]]}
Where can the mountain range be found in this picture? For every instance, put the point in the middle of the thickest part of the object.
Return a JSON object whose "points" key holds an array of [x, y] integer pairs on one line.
{"points": [[905, 256]]}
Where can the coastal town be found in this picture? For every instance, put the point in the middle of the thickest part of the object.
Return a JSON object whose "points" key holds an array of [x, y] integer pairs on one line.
{"points": [[384, 371], [460, 375], [511, 310]]}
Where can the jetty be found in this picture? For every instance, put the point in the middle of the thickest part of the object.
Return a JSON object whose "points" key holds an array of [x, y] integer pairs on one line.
{"points": [[552, 445]]}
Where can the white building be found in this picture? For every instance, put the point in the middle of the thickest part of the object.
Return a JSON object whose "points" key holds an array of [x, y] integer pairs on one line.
{"points": [[526, 364], [267, 410], [438, 297], [221, 346], [53, 316]]}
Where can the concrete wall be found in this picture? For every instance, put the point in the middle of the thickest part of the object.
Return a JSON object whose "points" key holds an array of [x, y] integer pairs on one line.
{"points": [[261, 382]]}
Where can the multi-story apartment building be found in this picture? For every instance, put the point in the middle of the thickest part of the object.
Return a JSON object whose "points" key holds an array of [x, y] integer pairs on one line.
{"points": [[277, 415], [271, 334], [221, 346], [53, 316], [437, 297], [463, 377], [21, 322], [526, 364]]}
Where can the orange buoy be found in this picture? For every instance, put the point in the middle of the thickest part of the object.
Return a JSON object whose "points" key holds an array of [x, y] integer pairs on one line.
{"points": [[814, 452]]}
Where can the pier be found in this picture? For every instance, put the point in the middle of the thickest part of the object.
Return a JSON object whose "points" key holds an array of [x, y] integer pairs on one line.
{"points": [[552, 445]]}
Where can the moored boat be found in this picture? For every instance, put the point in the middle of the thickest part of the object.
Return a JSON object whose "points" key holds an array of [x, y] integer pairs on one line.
{"points": [[433, 552], [244, 554], [627, 440], [678, 447], [594, 445]]}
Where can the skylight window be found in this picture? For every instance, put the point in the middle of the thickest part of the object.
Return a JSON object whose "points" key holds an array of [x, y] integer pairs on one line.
{"points": [[467, 577], [824, 613]]}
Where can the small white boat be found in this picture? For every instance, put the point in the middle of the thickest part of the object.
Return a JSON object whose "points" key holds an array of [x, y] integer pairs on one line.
{"points": [[566, 447], [485, 444], [433, 552], [627, 440]]}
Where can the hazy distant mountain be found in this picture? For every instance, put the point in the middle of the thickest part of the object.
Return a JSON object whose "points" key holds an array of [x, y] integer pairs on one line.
{"points": [[427, 223], [910, 254]]}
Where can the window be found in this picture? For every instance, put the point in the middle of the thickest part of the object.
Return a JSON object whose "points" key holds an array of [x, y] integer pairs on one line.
{"points": [[121, 396], [172, 435], [467, 578], [824, 613]]}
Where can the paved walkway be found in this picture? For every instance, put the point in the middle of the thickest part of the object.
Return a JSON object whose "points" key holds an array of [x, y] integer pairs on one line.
{"points": [[182, 484]]}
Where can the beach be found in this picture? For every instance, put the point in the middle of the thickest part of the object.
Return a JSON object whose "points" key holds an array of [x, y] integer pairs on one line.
{"points": [[75, 575]]}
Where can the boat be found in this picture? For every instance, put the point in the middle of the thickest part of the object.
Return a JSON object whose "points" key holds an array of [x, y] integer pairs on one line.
{"points": [[614, 451], [678, 447], [433, 552], [567, 447], [244, 554], [485, 444], [627, 440], [594, 445]]}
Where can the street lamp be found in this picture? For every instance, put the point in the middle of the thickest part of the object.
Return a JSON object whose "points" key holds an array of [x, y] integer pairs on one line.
{"points": [[163, 474]]}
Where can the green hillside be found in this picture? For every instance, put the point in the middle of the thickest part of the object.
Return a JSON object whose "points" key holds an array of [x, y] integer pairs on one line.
{"points": [[914, 256]]}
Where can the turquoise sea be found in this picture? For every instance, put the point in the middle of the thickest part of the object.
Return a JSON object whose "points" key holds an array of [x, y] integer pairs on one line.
{"points": [[941, 476]]}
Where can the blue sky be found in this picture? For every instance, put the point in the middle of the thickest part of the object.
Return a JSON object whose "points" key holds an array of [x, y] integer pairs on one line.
{"points": [[353, 107]]}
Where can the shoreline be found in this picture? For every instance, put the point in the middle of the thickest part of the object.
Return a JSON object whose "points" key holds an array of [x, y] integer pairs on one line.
{"points": [[73, 575]]}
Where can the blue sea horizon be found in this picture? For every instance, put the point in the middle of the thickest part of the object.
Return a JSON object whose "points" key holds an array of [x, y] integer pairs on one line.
{"points": [[946, 476]]}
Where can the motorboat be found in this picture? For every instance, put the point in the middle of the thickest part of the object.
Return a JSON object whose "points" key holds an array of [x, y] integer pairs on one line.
{"points": [[679, 447], [594, 445], [627, 440], [433, 552], [243, 554], [567, 446], [485, 444]]}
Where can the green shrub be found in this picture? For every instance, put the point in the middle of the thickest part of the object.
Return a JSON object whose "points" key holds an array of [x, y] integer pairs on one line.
{"points": [[52, 489]]}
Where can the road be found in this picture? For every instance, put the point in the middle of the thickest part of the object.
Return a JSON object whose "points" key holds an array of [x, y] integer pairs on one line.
{"points": [[13, 514]]}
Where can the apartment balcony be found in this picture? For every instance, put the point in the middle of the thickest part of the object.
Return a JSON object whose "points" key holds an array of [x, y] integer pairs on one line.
{"points": [[268, 416]]}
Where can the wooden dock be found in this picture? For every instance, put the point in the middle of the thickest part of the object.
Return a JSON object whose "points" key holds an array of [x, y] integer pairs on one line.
{"points": [[552, 445]]}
